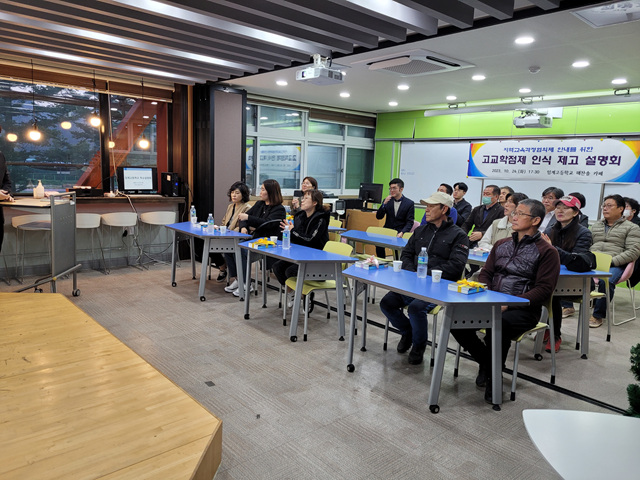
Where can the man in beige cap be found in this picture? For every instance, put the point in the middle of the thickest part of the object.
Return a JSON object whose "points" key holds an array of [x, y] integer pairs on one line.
{"points": [[447, 247]]}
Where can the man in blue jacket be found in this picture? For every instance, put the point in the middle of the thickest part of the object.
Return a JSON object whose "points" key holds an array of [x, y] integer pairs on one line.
{"points": [[398, 211]]}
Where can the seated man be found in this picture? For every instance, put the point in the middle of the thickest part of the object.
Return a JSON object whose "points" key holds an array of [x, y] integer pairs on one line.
{"points": [[448, 249], [482, 216], [398, 210], [504, 191], [453, 213], [550, 196], [620, 239], [459, 203], [524, 265]]}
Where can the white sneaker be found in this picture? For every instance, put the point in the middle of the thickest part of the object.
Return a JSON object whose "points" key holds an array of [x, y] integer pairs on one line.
{"points": [[236, 292], [290, 298], [233, 287]]}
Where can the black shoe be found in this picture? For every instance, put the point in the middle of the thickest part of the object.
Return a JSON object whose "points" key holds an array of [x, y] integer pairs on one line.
{"points": [[488, 395], [416, 354], [481, 379], [405, 343], [311, 304], [221, 276]]}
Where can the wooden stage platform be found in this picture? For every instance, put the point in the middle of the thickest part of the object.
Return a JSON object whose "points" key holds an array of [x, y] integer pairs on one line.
{"points": [[76, 403]]}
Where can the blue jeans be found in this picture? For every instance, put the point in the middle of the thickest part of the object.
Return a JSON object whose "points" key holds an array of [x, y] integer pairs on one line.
{"points": [[600, 305], [417, 325]]}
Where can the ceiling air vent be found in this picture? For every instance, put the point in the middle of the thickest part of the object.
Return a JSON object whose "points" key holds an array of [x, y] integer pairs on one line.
{"points": [[414, 63]]}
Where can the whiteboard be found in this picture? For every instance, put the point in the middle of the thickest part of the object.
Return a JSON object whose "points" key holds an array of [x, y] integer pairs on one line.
{"points": [[425, 165]]}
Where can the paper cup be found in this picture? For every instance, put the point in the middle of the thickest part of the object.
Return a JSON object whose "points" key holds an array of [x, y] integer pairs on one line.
{"points": [[274, 239], [223, 229], [397, 265], [436, 275]]}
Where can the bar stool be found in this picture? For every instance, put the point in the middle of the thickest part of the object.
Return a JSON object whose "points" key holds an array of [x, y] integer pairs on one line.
{"points": [[91, 221], [40, 222], [119, 220], [160, 219]]}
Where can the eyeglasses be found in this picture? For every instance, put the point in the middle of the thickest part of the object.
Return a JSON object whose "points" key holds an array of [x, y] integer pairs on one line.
{"points": [[520, 214], [607, 206]]}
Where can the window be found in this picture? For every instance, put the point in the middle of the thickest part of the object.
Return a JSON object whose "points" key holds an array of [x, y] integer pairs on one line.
{"points": [[325, 165], [280, 161], [251, 166], [282, 118], [359, 167], [133, 121], [361, 132], [326, 128]]}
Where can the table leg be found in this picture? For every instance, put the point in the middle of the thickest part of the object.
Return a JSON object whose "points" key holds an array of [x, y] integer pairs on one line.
{"points": [[203, 268], [295, 311], [365, 300], [238, 256], [247, 297], [193, 257], [339, 301], [441, 352], [496, 357], [352, 325], [174, 255], [263, 261]]}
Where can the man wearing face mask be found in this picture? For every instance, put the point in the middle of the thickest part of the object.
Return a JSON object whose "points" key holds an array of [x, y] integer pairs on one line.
{"points": [[482, 216]]}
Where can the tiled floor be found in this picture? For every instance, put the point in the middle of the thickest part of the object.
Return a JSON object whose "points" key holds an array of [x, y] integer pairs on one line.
{"points": [[291, 410]]}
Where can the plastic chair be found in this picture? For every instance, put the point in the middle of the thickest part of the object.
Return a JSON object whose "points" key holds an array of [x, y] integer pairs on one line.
{"points": [[603, 264], [628, 271], [545, 322], [389, 232], [334, 236], [310, 286], [91, 221], [160, 219], [40, 222], [119, 220]]}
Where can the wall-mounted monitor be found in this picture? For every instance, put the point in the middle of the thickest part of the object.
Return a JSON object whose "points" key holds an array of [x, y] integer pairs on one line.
{"points": [[137, 180], [371, 192]]}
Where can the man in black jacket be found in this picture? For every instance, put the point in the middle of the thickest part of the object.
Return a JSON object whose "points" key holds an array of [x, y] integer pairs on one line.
{"points": [[482, 216], [398, 210], [448, 249], [460, 204]]}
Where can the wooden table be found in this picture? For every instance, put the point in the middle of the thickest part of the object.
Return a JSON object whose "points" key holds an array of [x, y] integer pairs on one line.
{"points": [[77, 403]]}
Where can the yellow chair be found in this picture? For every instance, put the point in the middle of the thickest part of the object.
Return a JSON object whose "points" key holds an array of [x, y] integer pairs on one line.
{"points": [[310, 286], [603, 264], [545, 322], [334, 222]]}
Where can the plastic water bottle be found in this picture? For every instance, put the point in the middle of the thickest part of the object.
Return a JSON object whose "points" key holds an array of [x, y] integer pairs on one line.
{"points": [[192, 215], [210, 224], [286, 238], [423, 259]]}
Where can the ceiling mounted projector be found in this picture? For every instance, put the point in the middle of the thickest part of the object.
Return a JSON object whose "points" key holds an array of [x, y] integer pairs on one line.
{"points": [[320, 73], [532, 119]]}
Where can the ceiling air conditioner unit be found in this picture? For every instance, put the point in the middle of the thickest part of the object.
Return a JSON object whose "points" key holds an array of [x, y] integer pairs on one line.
{"points": [[413, 63]]}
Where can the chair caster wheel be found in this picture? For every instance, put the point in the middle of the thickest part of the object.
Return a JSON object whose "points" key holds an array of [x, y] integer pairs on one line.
{"points": [[351, 368], [304, 338], [246, 316], [293, 338], [174, 284], [202, 299], [434, 408], [537, 356], [76, 293], [363, 349]]}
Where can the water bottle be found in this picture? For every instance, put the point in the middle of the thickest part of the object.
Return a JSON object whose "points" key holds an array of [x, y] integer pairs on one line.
{"points": [[286, 238], [210, 224], [423, 259], [192, 215]]}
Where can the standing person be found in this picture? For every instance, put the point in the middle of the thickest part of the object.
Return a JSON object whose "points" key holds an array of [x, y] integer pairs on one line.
{"points": [[459, 203], [501, 228], [504, 191], [482, 216], [523, 265], [238, 197], [310, 228], [567, 236], [308, 183], [268, 209], [550, 196], [620, 239], [5, 191], [448, 249], [398, 210], [631, 209]]}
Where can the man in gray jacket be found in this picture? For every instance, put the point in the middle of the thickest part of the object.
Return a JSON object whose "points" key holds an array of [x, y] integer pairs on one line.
{"points": [[620, 239]]}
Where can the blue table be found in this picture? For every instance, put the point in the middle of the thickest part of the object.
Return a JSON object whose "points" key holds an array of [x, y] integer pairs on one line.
{"points": [[393, 243], [213, 242], [336, 229], [312, 264], [571, 284], [479, 310]]}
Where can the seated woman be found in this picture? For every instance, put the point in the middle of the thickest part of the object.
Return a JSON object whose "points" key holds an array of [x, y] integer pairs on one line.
{"points": [[310, 228], [568, 236], [263, 219], [501, 228], [308, 183], [239, 196]]}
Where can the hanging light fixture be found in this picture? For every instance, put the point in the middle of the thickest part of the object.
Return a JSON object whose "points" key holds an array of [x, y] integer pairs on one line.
{"points": [[34, 133], [143, 143], [94, 119], [12, 137]]}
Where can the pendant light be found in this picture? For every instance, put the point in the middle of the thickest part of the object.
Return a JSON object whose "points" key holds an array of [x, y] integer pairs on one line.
{"points": [[143, 143], [94, 119], [34, 133]]}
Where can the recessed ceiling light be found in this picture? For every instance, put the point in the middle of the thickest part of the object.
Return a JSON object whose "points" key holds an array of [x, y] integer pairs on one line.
{"points": [[525, 90], [403, 86], [393, 103], [478, 78], [282, 83], [451, 97], [345, 94], [619, 81], [524, 40], [580, 64]]}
